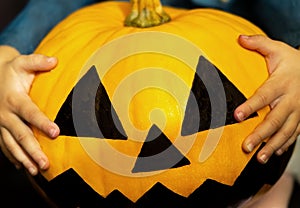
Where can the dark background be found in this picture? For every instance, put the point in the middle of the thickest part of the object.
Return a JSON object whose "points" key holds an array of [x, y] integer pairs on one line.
{"points": [[8, 10]]}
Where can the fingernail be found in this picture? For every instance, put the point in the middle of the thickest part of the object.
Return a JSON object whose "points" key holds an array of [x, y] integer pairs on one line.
{"points": [[244, 36], [240, 116], [250, 147], [53, 132], [51, 60], [279, 152], [32, 171], [42, 164], [263, 159], [18, 167]]}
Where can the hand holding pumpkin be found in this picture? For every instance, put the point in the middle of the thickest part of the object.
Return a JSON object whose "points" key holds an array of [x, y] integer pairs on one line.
{"points": [[280, 91], [18, 112]]}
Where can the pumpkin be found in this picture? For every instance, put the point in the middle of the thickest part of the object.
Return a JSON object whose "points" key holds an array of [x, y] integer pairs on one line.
{"points": [[146, 114]]}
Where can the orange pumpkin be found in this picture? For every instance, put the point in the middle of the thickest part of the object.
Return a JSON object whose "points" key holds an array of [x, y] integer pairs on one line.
{"points": [[146, 115]]}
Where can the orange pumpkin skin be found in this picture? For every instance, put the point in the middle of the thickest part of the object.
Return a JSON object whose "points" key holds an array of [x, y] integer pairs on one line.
{"points": [[148, 79]]}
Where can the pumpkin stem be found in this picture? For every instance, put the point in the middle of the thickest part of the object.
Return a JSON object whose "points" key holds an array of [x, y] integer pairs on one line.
{"points": [[146, 13]]}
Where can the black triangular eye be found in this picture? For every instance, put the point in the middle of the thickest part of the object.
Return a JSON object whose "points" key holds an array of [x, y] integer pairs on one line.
{"points": [[199, 102], [88, 112], [158, 153]]}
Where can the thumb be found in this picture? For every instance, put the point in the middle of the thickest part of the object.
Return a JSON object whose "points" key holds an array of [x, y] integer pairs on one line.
{"points": [[35, 62], [259, 43]]}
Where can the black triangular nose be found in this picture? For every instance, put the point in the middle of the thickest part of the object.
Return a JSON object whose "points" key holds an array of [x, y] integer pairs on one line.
{"points": [[158, 153]]}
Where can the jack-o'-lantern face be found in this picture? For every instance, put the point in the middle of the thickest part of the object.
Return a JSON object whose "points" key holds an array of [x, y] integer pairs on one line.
{"points": [[151, 111]]}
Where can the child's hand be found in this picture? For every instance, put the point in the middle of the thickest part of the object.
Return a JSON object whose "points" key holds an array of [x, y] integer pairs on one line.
{"points": [[281, 92], [18, 113]]}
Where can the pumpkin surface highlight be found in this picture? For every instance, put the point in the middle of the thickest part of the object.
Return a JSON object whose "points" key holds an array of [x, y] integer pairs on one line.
{"points": [[139, 114]]}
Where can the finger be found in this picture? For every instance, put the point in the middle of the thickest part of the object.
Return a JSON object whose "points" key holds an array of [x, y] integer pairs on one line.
{"points": [[8, 155], [273, 121], [264, 96], [15, 150], [35, 62], [279, 139], [29, 112], [267, 47], [259, 43], [289, 142], [24, 137]]}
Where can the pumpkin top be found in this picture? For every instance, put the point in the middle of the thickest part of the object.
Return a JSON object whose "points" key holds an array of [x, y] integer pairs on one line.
{"points": [[146, 13]]}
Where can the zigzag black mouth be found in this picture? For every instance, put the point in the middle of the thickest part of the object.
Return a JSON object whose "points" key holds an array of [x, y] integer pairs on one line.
{"points": [[70, 190]]}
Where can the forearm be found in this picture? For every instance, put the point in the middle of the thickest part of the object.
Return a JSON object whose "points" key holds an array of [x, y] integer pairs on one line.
{"points": [[35, 20]]}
